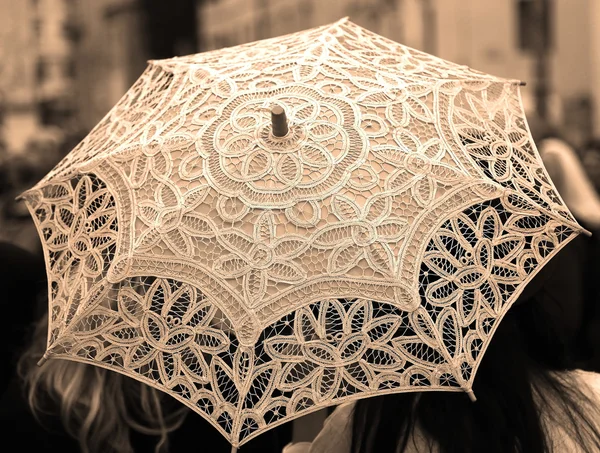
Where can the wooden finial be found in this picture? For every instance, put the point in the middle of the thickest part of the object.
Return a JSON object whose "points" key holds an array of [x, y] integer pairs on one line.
{"points": [[279, 121]]}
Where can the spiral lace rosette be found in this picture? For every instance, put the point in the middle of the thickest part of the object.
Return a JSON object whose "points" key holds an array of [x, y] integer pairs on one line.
{"points": [[373, 249]]}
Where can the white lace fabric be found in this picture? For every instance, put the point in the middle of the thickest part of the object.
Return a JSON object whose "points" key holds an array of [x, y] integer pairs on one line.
{"points": [[372, 249]]}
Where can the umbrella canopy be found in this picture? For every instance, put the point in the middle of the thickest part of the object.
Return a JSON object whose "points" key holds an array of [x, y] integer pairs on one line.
{"points": [[270, 229]]}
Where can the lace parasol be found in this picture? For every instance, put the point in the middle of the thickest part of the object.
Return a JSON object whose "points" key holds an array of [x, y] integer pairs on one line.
{"points": [[270, 229]]}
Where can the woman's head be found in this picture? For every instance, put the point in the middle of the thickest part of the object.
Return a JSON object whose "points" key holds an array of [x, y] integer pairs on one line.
{"points": [[98, 407], [519, 379]]}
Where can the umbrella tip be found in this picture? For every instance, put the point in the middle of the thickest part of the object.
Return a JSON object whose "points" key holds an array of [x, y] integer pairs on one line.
{"points": [[279, 121], [43, 360], [471, 395]]}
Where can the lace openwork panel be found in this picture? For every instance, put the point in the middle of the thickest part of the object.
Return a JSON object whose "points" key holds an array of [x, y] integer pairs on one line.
{"points": [[373, 249]]}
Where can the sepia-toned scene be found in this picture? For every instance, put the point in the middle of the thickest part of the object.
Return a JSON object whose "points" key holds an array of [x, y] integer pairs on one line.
{"points": [[300, 226]]}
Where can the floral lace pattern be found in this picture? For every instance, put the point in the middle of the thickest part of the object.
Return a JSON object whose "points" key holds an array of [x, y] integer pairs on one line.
{"points": [[373, 249], [243, 159]]}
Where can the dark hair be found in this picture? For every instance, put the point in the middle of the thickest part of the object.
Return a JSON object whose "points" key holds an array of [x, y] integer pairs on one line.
{"points": [[520, 378]]}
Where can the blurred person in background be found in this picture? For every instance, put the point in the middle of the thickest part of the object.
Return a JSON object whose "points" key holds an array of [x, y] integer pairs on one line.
{"points": [[591, 161], [23, 171], [4, 171], [566, 170], [23, 279], [576, 296], [15, 226]]}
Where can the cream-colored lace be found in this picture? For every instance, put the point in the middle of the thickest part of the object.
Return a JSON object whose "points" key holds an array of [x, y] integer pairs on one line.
{"points": [[373, 249]]}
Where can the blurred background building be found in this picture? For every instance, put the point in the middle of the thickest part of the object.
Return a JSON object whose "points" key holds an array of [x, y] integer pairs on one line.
{"points": [[65, 63]]}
